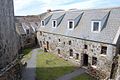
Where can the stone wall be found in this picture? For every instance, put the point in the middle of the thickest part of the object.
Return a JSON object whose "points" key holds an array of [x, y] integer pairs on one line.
{"points": [[53, 42], [118, 70], [8, 37]]}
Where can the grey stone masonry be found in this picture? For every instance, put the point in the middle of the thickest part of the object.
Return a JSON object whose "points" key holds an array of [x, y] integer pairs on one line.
{"points": [[8, 39]]}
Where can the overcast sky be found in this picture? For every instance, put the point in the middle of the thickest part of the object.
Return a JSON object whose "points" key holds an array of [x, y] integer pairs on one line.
{"points": [[33, 7]]}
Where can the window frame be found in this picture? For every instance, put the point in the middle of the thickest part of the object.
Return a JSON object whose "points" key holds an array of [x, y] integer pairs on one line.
{"points": [[92, 26], [27, 31], [73, 24], [70, 42], [77, 56], [71, 52], [85, 46], [42, 21], [102, 51], [94, 61], [54, 24]]}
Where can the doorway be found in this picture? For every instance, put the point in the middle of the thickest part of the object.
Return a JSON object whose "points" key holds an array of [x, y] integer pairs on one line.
{"points": [[58, 51], [47, 45], [45, 50], [85, 60]]}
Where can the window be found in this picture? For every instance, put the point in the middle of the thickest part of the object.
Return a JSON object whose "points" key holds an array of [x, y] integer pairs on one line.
{"points": [[27, 31], [28, 40], [85, 46], [41, 33], [96, 26], [64, 43], [44, 42], [70, 43], [58, 51], [94, 61], [54, 23], [42, 23], [77, 56], [103, 50], [59, 40], [70, 25], [71, 52]]}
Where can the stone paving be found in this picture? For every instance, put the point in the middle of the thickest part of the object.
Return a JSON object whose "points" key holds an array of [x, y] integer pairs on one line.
{"points": [[29, 71]]}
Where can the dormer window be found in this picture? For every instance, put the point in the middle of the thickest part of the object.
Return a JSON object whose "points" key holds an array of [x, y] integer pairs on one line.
{"points": [[96, 26], [42, 23], [54, 23], [27, 31], [71, 25]]}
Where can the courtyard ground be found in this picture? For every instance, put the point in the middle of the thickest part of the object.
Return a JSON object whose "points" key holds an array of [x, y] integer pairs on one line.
{"points": [[48, 66]]}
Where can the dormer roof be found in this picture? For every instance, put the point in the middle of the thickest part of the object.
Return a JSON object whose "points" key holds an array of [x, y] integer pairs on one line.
{"points": [[110, 19]]}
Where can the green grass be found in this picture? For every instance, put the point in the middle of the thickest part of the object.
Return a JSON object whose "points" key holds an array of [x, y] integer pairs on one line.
{"points": [[27, 54], [84, 76], [26, 51], [50, 67], [40, 51]]}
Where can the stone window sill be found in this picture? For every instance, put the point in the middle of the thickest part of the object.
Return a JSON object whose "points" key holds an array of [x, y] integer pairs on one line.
{"points": [[94, 66]]}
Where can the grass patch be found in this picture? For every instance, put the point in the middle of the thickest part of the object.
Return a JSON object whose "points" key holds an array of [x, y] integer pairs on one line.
{"points": [[27, 54], [41, 51], [26, 51], [50, 67], [84, 76]]}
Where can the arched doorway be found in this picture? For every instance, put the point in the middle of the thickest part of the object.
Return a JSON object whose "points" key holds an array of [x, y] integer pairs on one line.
{"points": [[85, 60]]}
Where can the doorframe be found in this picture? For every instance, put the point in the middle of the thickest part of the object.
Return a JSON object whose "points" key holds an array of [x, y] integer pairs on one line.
{"points": [[83, 59]]}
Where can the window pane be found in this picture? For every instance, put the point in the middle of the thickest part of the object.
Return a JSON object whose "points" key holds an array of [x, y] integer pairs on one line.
{"points": [[70, 25], [54, 23], [27, 31], [96, 26], [77, 56], [94, 61], [43, 23], [71, 52], [103, 50], [69, 42]]}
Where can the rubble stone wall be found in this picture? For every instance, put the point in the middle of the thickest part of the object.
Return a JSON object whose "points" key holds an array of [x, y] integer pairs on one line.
{"points": [[8, 37], [61, 42]]}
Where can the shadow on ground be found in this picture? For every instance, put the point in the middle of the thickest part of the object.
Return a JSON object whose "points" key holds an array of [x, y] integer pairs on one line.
{"points": [[55, 73]]}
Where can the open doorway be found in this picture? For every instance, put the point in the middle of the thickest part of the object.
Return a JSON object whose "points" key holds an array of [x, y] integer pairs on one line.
{"points": [[47, 45], [85, 60], [58, 51], [45, 50]]}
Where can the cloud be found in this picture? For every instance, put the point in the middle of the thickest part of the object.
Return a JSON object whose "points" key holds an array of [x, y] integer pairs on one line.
{"points": [[31, 7]]}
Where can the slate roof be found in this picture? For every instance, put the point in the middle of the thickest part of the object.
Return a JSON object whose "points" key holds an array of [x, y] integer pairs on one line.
{"points": [[28, 22], [83, 29]]}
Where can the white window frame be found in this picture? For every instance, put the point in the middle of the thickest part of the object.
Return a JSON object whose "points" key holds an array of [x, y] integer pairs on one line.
{"points": [[53, 23], [92, 25], [72, 25], [28, 31], [41, 23], [94, 66]]}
